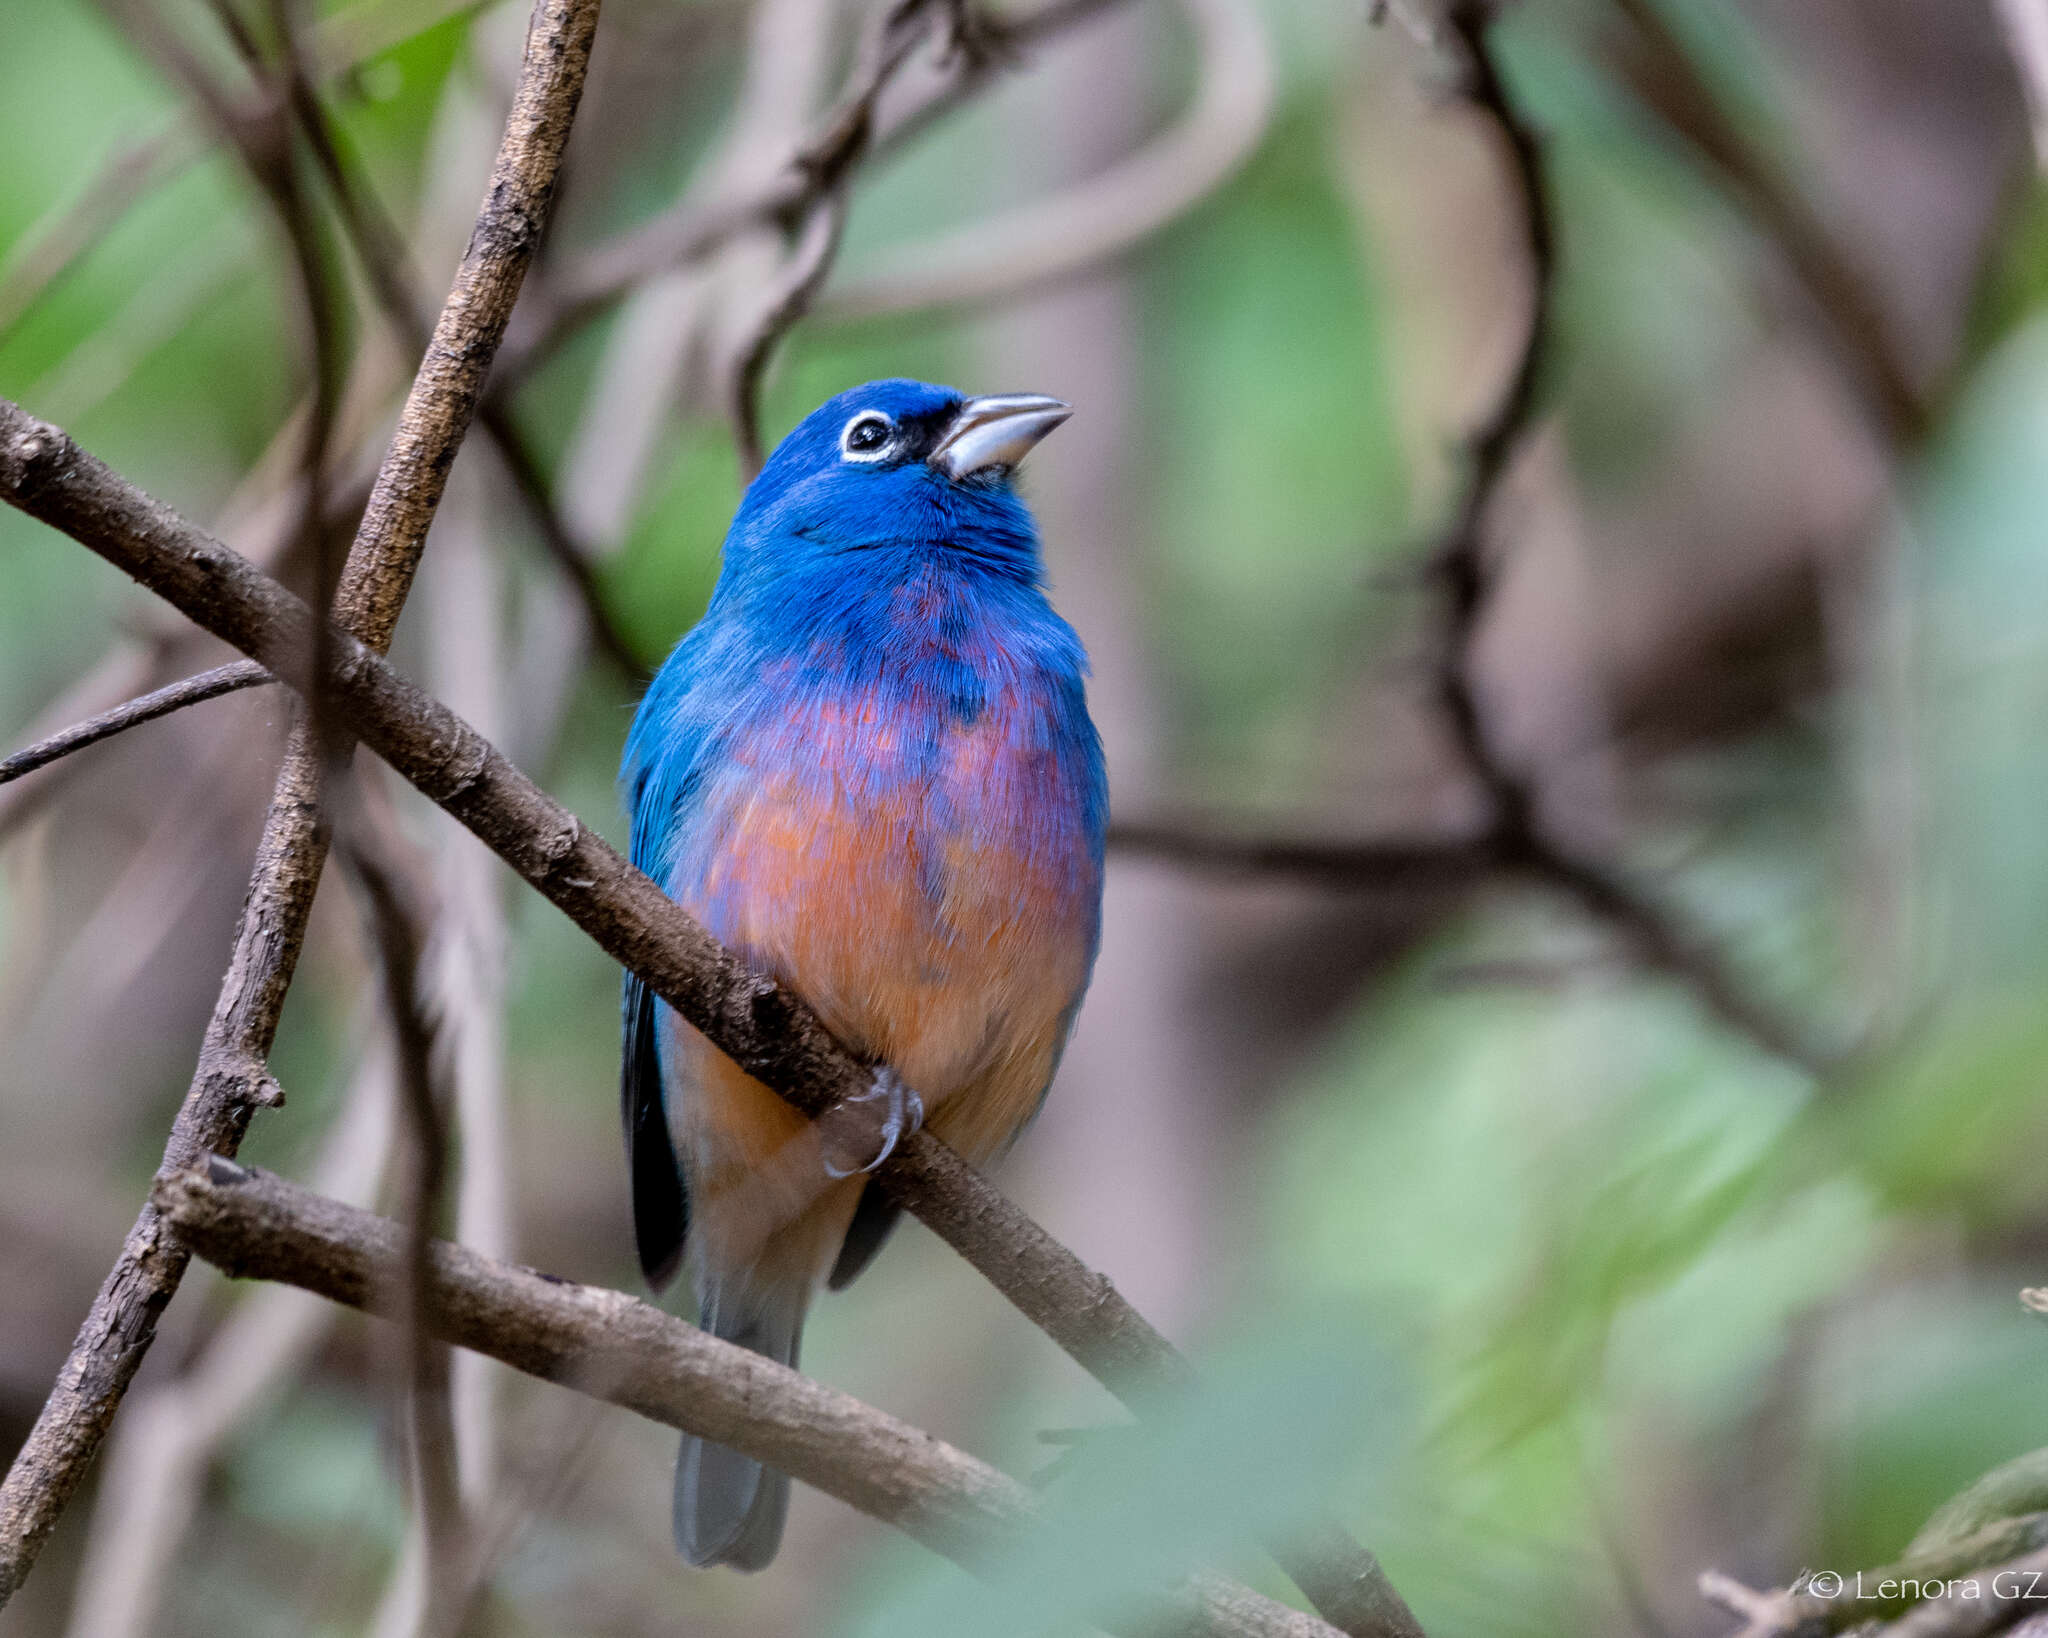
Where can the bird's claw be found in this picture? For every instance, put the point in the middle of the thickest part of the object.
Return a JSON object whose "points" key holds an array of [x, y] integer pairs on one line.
{"points": [[864, 1130]]}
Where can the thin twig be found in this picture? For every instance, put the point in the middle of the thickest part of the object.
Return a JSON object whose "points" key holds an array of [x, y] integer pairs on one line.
{"points": [[786, 301], [766, 1030], [387, 268], [845, 139], [567, 553], [1516, 839], [1653, 61], [256, 127], [253, 1225], [1104, 217], [56, 243], [821, 176], [231, 1080], [164, 1446], [1399, 864], [208, 685], [392, 896], [1519, 830], [2006, 1562]]}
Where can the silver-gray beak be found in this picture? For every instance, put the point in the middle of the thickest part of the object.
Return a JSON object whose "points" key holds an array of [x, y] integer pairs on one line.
{"points": [[996, 431]]}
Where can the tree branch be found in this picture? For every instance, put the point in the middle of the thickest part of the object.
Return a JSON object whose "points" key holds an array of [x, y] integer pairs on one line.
{"points": [[786, 301], [391, 895], [230, 1079], [846, 137], [1519, 829], [165, 1445], [763, 1028], [1395, 863], [630, 1354], [208, 685], [1104, 217], [54, 245], [389, 274], [1655, 64], [1517, 838]]}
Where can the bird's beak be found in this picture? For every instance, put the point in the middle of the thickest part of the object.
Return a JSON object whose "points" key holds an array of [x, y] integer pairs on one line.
{"points": [[996, 431]]}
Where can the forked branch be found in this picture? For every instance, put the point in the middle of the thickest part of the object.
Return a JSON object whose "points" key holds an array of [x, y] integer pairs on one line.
{"points": [[628, 1353], [230, 1080], [763, 1028]]}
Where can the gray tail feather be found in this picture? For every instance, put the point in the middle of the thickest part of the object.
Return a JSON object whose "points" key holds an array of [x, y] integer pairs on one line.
{"points": [[729, 1509]]}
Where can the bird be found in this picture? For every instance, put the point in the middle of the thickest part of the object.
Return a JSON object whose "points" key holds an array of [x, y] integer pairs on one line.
{"points": [[870, 771]]}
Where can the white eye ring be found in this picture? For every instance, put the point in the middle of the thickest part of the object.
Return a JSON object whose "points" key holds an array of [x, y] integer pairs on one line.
{"points": [[853, 438]]}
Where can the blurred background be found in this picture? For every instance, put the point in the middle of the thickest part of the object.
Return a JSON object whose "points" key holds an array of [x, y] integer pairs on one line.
{"points": [[1571, 1245]]}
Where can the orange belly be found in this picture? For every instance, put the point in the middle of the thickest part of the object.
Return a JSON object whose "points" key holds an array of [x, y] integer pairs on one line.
{"points": [[928, 934]]}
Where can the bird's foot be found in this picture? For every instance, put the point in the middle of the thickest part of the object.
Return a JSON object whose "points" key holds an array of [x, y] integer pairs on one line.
{"points": [[862, 1131]]}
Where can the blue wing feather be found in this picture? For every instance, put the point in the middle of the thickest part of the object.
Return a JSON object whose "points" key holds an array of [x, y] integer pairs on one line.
{"points": [[659, 774]]}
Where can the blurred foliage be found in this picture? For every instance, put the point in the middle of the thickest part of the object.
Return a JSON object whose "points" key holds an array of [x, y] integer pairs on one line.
{"points": [[1620, 1272]]}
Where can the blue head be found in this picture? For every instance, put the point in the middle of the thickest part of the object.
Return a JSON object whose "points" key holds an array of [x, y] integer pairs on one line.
{"points": [[895, 464]]}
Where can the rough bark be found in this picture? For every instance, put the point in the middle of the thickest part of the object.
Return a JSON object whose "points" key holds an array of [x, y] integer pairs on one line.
{"points": [[230, 1081], [629, 1353]]}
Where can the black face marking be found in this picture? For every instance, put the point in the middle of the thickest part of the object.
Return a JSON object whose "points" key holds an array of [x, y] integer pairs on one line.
{"points": [[874, 438]]}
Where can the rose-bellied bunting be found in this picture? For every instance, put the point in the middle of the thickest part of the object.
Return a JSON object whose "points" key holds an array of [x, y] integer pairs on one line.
{"points": [[870, 770]]}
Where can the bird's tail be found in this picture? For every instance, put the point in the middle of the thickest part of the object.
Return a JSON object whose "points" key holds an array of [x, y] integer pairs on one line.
{"points": [[729, 1509]]}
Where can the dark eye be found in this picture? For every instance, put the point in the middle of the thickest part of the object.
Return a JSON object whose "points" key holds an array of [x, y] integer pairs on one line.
{"points": [[867, 436]]}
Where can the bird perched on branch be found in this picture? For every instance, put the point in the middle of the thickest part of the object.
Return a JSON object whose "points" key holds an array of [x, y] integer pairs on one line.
{"points": [[870, 771]]}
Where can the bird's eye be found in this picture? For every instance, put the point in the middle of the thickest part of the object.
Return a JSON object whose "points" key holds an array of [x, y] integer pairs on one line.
{"points": [[867, 436]]}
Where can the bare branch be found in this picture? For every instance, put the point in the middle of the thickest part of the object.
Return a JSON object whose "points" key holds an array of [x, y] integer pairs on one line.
{"points": [[1656, 66], [846, 137], [1104, 217], [257, 128], [391, 895], [165, 1443], [1655, 934], [628, 1353], [786, 301], [208, 685], [230, 1078], [1394, 863], [763, 1028], [1520, 832], [1517, 839], [54, 245]]}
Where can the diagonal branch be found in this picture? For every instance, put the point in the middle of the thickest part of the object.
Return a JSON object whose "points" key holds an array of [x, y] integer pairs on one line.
{"points": [[628, 1353], [208, 685], [230, 1079], [815, 216], [763, 1028], [786, 301], [388, 271], [1654, 63]]}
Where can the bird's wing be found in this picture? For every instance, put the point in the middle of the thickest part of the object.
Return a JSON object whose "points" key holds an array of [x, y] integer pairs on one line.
{"points": [[660, 776], [661, 1202], [873, 1218]]}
